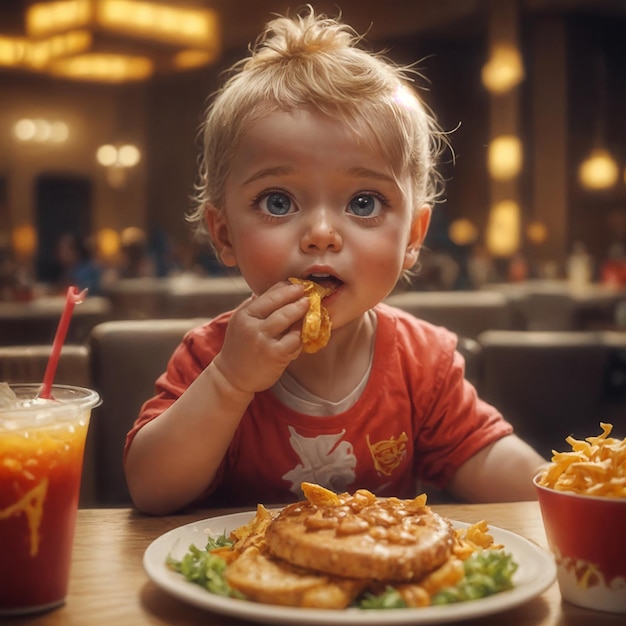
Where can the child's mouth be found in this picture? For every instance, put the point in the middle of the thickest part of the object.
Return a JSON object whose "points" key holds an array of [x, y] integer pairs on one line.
{"points": [[326, 280]]}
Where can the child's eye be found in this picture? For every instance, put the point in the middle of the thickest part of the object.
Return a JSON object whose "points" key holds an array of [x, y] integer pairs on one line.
{"points": [[276, 203], [365, 205]]}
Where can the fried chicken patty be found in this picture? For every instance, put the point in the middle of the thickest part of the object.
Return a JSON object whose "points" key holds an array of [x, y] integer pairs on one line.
{"points": [[361, 536]]}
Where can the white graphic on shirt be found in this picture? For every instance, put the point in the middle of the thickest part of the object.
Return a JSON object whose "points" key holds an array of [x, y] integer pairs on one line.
{"points": [[325, 460]]}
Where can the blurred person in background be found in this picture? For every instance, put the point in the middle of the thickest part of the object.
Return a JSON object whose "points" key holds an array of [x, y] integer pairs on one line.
{"points": [[79, 267], [613, 270], [136, 261]]}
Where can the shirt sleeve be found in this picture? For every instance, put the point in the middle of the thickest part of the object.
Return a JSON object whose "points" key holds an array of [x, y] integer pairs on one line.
{"points": [[454, 423], [187, 362]]}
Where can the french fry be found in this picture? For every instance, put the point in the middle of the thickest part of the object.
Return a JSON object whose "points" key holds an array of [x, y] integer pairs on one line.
{"points": [[594, 466]]}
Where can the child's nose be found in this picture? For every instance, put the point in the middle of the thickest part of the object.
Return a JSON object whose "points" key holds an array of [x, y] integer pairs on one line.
{"points": [[320, 233]]}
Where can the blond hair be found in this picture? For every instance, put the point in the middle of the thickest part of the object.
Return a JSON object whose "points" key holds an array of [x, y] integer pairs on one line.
{"points": [[315, 62]]}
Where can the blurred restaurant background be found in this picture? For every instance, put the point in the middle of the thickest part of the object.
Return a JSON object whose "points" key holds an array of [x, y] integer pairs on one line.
{"points": [[101, 101]]}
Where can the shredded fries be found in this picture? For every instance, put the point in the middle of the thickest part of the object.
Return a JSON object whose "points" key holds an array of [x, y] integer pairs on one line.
{"points": [[595, 466], [475, 537]]}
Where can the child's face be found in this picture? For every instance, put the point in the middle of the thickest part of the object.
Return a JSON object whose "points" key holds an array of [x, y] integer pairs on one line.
{"points": [[306, 197]]}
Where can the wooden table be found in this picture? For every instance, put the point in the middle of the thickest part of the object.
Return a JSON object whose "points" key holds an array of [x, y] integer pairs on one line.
{"points": [[109, 586]]}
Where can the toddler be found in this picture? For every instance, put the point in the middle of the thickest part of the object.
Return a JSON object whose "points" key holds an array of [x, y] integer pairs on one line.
{"points": [[319, 163]]}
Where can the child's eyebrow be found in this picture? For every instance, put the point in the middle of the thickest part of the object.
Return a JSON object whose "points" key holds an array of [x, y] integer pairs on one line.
{"points": [[281, 170], [352, 172], [364, 172]]}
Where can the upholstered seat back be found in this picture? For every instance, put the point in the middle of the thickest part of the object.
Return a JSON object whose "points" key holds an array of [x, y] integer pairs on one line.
{"points": [[548, 384], [467, 313], [127, 356]]}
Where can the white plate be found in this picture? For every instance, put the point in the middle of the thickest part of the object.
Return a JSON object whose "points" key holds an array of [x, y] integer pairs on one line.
{"points": [[536, 572]]}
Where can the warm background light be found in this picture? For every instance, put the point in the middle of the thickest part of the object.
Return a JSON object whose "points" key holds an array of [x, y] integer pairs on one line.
{"points": [[113, 68], [188, 59], [133, 236], [126, 155], [36, 54], [599, 170], [463, 232], [24, 241], [504, 70], [24, 130], [505, 157], [108, 243], [49, 17], [503, 229], [536, 232], [106, 155], [59, 132], [87, 39], [41, 131], [118, 160], [172, 24]]}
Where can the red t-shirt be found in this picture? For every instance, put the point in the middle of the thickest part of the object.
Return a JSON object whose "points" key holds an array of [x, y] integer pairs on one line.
{"points": [[417, 418]]}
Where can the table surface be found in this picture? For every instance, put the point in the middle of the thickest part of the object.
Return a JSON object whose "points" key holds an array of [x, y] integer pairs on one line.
{"points": [[109, 586]]}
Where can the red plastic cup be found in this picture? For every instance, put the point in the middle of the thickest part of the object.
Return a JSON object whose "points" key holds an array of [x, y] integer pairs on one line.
{"points": [[587, 536], [42, 445]]}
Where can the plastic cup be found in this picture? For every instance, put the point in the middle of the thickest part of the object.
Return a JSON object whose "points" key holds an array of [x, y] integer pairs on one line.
{"points": [[42, 443]]}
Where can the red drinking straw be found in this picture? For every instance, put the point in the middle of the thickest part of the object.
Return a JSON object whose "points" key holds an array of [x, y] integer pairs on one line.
{"points": [[73, 297]]}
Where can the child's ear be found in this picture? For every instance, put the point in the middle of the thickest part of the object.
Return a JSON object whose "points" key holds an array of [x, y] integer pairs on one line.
{"points": [[217, 226], [419, 228]]}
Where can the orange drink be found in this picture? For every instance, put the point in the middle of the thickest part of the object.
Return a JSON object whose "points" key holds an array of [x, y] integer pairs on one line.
{"points": [[41, 457]]}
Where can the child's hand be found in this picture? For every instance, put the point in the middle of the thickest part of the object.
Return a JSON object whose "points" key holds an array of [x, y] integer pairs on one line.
{"points": [[261, 339]]}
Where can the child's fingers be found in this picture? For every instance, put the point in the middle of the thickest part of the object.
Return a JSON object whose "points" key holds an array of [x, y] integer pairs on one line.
{"points": [[274, 298]]}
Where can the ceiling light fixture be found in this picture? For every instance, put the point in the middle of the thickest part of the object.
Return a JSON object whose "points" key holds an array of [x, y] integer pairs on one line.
{"points": [[463, 232], [39, 130], [504, 70], [505, 157], [503, 228], [112, 40], [117, 160], [599, 170]]}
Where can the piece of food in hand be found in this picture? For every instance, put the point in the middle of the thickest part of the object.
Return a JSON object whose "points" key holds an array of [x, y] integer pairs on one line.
{"points": [[362, 536], [316, 324]]}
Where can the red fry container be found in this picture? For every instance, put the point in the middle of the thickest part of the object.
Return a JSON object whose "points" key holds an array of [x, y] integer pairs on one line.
{"points": [[587, 535]]}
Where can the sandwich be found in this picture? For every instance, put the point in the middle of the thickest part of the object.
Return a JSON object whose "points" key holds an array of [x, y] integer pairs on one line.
{"points": [[333, 551]]}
